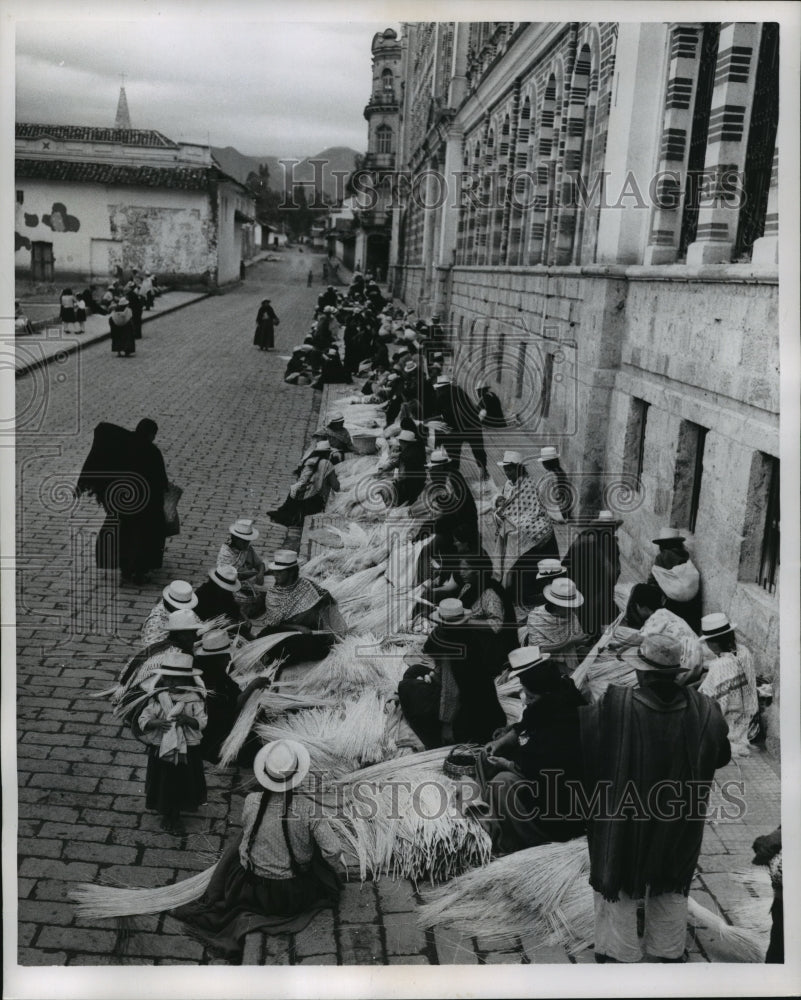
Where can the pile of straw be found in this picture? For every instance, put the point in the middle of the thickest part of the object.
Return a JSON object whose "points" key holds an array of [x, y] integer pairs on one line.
{"points": [[248, 658], [356, 664], [543, 893], [105, 902]]}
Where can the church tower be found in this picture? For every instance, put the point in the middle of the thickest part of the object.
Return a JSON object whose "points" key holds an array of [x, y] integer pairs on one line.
{"points": [[383, 110], [123, 119]]}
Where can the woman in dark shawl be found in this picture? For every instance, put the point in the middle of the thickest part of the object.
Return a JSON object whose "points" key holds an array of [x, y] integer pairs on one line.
{"points": [[122, 329], [125, 473], [266, 322]]}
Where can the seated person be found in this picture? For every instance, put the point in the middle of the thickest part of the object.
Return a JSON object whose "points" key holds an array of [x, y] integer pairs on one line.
{"points": [[730, 680], [293, 603], [175, 596], [216, 596], [238, 552], [555, 623], [528, 808]]}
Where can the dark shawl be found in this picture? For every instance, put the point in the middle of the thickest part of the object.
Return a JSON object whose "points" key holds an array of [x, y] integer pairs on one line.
{"points": [[593, 564], [631, 740]]}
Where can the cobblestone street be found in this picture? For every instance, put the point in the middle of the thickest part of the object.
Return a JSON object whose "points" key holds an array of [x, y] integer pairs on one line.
{"points": [[230, 431]]}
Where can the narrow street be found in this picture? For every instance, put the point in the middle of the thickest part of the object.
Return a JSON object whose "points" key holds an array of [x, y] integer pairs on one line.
{"points": [[230, 431]]}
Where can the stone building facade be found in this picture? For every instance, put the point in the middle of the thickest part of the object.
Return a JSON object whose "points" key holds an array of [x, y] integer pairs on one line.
{"points": [[593, 208], [91, 199]]}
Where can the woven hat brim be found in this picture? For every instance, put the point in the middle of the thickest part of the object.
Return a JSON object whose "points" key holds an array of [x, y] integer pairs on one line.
{"points": [[304, 765]]}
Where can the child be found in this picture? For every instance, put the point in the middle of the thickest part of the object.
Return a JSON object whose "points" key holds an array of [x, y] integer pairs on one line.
{"points": [[171, 725]]}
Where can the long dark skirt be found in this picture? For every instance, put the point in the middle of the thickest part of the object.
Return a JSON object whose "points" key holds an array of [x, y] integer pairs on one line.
{"points": [[174, 788], [291, 512], [523, 584], [419, 701], [265, 334], [134, 543], [123, 338], [237, 902]]}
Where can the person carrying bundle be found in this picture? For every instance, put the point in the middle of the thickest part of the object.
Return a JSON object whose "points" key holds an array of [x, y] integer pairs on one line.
{"points": [[171, 725], [279, 872], [677, 577]]}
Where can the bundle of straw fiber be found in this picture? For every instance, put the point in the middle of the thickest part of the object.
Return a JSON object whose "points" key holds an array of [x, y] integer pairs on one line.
{"points": [[353, 586], [338, 739], [269, 703], [248, 657], [404, 819], [544, 893], [356, 664], [100, 902]]}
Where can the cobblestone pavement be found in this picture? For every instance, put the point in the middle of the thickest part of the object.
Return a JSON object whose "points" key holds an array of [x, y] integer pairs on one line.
{"points": [[230, 431]]}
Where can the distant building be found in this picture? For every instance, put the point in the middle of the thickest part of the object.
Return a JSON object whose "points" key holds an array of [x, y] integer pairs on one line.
{"points": [[606, 258], [91, 200]]}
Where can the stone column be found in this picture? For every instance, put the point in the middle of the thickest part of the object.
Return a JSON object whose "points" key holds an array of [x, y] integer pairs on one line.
{"points": [[735, 76], [766, 248], [685, 59]]}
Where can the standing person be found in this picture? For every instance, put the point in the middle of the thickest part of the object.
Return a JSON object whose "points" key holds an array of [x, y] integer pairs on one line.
{"points": [[122, 329], [490, 411], [460, 414], [633, 741], [125, 473], [279, 872], [212, 660], [171, 725], [524, 530], [310, 277], [80, 315], [730, 680], [593, 564], [146, 290], [66, 311], [446, 503], [266, 322], [136, 305], [555, 485], [410, 475]]}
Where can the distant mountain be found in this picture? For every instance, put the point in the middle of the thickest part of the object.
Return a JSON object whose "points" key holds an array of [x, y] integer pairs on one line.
{"points": [[336, 158]]}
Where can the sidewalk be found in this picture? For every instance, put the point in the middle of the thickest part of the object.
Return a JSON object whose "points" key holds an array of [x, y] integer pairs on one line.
{"points": [[50, 344]]}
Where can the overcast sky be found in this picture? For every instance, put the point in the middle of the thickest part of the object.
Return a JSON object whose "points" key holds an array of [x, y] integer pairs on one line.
{"points": [[277, 88]]}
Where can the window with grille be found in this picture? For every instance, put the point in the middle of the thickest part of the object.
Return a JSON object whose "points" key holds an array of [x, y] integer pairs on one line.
{"points": [[759, 553], [383, 139], [634, 446]]}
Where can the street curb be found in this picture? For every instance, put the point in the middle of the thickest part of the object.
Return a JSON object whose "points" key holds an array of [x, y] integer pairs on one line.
{"points": [[44, 362]]}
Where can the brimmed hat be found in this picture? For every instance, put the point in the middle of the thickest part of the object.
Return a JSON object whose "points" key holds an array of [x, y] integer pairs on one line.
{"points": [[281, 765], [332, 352], [410, 367], [120, 304], [180, 593], [226, 577], [607, 517], [182, 621], [511, 458], [450, 611], [407, 435], [714, 625], [283, 559], [563, 592], [323, 445], [658, 652], [548, 452], [365, 366], [668, 535], [549, 567], [336, 418], [174, 664], [525, 657], [438, 457], [214, 643], [536, 671], [243, 528], [442, 382]]}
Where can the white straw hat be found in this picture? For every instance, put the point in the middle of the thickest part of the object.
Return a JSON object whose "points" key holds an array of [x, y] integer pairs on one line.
{"points": [[243, 528], [214, 643], [281, 765], [668, 535], [548, 452], [182, 621], [180, 594], [175, 664], [283, 559], [439, 457], [549, 567], [715, 624], [525, 657], [450, 611], [563, 592], [511, 458], [226, 577], [442, 382]]}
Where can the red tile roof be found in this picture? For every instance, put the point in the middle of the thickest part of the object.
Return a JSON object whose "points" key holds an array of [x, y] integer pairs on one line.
{"points": [[184, 178], [90, 133]]}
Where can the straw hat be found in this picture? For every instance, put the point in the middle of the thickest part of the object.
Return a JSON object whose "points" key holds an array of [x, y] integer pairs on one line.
{"points": [[524, 658], [668, 535], [549, 567], [511, 458], [174, 664], [563, 592], [182, 621], [336, 418], [407, 435], [548, 453], [226, 577], [658, 652], [714, 625], [180, 594], [607, 517], [243, 528], [442, 382], [410, 367], [215, 642], [283, 559], [439, 458], [281, 765], [450, 611]]}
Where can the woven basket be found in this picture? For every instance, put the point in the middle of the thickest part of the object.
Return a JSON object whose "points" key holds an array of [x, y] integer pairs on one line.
{"points": [[461, 762], [364, 444]]}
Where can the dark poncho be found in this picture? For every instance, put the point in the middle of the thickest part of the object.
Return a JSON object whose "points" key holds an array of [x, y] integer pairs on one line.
{"points": [[632, 740]]}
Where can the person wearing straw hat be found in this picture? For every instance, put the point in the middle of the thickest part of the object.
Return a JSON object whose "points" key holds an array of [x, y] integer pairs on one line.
{"points": [[649, 758], [279, 872], [337, 435], [294, 603], [457, 700], [298, 369], [731, 680], [593, 564], [309, 494], [555, 623], [490, 410], [528, 766], [554, 486], [212, 659], [461, 414], [171, 725], [410, 476], [217, 594], [524, 530], [174, 597], [446, 504], [238, 552], [676, 575], [121, 325], [547, 570]]}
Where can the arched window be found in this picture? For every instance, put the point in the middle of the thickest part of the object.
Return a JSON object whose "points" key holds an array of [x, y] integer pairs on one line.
{"points": [[383, 137], [387, 83]]}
